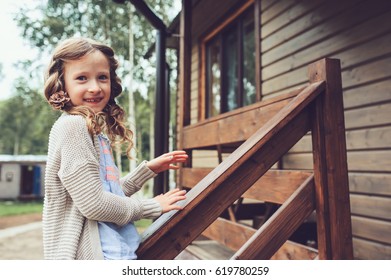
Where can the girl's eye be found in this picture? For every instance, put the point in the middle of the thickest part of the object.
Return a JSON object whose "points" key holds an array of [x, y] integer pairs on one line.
{"points": [[103, 77], [81, 78]]}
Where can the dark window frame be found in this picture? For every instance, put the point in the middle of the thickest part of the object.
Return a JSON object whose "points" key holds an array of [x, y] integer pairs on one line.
{"points": [[236, 23]]}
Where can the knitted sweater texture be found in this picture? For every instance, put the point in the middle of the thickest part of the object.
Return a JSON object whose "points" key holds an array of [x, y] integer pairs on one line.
{"points": [[74, 196]]}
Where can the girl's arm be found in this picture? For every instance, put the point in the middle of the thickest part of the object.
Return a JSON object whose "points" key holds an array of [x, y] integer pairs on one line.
{"points": [[132, 182], [79, 175]]}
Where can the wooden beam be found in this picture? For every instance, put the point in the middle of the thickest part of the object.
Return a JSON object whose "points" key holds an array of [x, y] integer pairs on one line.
{"points": [[330, 164], [144, 9], [274, 186], [228, 233], [234, 236], [295, 251], [270, 237], [174, 231], [258, 55], [185, 64], [184, 96], [224, 129]]}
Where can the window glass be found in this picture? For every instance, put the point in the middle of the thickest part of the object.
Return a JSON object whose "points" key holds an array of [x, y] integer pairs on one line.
{"points": [[230, 66], [249, 90], [213, 78], [230, 69]]}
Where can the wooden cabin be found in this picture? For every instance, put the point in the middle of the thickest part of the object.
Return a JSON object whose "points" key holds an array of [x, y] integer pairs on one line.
{"points": [[242, 62]]}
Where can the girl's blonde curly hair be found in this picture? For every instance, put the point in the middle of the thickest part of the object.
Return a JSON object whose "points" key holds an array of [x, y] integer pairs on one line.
{"points": [[111, 119]]}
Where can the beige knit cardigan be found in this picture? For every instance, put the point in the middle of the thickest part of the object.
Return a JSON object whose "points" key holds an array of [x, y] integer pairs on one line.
{"points": [[74, 196]]}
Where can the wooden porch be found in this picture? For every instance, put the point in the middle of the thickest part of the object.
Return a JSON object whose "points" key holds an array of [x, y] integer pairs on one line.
{"points": [[256, 137]]}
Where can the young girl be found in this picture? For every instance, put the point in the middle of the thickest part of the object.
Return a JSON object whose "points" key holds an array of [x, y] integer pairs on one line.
{"points": [[88, 210]]}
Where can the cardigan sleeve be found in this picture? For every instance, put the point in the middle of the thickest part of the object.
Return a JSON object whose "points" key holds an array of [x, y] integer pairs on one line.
{"points": [[133, 182], [79, 174]]}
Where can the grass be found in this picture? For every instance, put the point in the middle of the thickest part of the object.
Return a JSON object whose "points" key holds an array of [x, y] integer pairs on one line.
{"points": [[9, 208], [142, 224]]}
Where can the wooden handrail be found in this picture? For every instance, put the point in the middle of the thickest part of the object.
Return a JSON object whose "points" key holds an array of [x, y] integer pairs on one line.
{"points": [[172, 232], [319, 108]]}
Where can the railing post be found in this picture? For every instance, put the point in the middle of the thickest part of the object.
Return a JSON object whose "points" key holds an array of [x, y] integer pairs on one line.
{"points": [[183, 115], [330, 164]]}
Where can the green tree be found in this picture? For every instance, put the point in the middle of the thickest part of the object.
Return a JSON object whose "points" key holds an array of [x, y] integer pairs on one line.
{"points": [[101, 20], [108, 22], [25, 119]]}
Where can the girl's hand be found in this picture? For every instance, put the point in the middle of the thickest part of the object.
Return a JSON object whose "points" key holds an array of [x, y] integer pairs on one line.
{"points": [[166, 161], [167, 201]]}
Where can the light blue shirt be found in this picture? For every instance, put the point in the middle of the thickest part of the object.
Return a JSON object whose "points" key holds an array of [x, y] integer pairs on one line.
{"points": [[118, 242]]}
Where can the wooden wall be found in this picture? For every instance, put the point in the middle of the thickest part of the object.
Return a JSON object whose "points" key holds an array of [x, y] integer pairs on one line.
{"points": [[296, 33], [358, 32]]}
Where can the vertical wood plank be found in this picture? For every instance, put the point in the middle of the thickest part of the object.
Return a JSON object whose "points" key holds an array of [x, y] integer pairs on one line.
{"points": [[330, 164], [258, 62], [185, 64], [184, 99]]}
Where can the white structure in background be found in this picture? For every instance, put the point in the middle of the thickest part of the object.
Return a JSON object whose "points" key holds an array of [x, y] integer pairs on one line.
{"points": [[22, 176]]}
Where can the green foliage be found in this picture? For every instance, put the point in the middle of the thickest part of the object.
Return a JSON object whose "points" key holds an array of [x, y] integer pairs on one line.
{"points": [[48, 23], [104, 21], [143, 110], [25, 119], [9, 208], [142, 224]]}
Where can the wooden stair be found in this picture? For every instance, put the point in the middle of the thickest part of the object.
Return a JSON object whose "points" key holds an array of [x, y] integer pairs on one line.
{"points": [[317, 108]]}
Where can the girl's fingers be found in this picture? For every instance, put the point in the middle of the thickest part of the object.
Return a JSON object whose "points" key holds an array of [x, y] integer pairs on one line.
{"points": [[173, 191], [178, 152], [170, 199], [176, 192], [176, 199], [174, 153], [175, 167], [176, 207]]}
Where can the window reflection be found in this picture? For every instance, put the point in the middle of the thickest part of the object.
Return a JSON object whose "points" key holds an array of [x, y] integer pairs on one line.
{"points": [[230, 69], [214, 75], [230, 66], [249, 91]]}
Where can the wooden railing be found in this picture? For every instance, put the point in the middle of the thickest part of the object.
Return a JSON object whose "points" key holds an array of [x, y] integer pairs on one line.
{"points": [[283, 122]]}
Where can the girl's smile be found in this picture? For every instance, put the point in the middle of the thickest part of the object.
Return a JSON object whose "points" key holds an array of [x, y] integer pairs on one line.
{"points": [[87, 81]]}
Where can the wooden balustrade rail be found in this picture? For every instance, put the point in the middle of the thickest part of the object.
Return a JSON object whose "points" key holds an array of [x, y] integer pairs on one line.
{"points": [[313, 108]]}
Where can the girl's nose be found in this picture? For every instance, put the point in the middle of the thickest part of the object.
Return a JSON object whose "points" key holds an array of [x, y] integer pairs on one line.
{"points": [[94, 88]]}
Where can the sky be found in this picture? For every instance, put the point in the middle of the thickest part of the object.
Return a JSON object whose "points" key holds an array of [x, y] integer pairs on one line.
{"points": [[12, 47]]}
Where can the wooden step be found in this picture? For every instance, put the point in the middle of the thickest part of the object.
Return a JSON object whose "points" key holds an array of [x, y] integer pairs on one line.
{"points": [[205, 250]]}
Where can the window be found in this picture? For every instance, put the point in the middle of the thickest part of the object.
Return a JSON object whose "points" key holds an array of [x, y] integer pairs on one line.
{"points": [[230, 66]]}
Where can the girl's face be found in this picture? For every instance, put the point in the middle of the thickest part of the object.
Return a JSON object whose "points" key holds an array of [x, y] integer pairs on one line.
{"points": [[87, 81]]}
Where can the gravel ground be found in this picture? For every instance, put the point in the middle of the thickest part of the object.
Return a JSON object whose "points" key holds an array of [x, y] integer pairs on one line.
{"points": [[21, 246]]}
